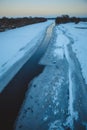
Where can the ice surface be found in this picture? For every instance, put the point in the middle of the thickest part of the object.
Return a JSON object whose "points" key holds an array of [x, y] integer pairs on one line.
{"points": [[47, 106], [56, 125], [45, 103]]}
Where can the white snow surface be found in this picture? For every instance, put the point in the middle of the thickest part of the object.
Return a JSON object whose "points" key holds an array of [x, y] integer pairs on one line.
{"points": [[78, 32], [63, 41], [60, 44], [18, 45]]}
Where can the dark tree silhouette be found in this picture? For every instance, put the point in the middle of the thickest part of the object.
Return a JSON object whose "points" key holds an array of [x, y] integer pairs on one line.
{"points": [[67, 19], [11, 23]]}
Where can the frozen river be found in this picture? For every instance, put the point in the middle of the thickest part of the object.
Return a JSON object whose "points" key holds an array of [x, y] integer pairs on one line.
{"points": [[57, 98], [50, 91]]}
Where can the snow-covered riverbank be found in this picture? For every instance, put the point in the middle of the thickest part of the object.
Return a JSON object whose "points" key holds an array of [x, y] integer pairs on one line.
{"points": [[16, 47], [78, 32]]}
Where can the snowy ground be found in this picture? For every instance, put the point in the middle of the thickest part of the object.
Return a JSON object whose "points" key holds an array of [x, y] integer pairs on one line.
{"points": [[16, 46], [78, 33], [57, 98]]}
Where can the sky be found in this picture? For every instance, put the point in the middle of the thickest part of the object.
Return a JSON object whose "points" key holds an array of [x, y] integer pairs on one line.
{"points": [[43, 7]]}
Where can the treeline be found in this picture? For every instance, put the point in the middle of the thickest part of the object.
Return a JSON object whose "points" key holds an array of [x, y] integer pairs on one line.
{"points": [[67, 19], [11, 23]]}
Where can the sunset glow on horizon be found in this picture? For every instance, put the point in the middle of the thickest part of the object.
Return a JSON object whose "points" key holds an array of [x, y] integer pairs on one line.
{"points": [[42, 8]]}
